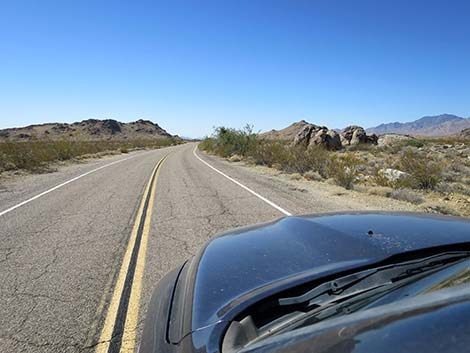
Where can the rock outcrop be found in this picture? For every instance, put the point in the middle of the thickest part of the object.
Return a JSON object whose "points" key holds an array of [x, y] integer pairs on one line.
{"points": [[302, 137], [311, 135], [354, 135], [391, 139], [330, 139]]}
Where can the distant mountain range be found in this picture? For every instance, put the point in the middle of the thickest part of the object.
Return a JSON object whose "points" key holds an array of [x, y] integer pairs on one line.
{"points": [[91, 129], [439, 125]]}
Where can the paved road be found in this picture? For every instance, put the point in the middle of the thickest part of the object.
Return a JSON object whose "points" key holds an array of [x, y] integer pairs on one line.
{"points": [[62, 254]]}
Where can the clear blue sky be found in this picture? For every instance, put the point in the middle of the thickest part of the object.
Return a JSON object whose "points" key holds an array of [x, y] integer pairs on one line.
{"points": [[191, 65]]}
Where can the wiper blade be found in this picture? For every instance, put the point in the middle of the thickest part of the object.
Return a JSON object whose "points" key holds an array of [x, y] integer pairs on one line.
{"points": [[371, 279]]}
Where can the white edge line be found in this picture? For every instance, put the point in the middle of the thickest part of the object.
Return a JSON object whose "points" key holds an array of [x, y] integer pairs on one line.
{"points": [[270, 203], [63, 184]]}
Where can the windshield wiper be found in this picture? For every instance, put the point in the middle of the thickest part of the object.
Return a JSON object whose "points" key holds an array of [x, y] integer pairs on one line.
{"points": [[372, 279], [349, 293], [327, 287]]}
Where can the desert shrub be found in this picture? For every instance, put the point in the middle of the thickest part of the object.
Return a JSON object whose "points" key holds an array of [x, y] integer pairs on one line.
{"points": [[399, 146], [444, 209], [270, 153], [318, 158], [23, 155], [406, 195], [450, 175], [447, 188], [64, 150], [448, 140], [36, 155], [412, 143], [458, 166], [369, 147], [226, 142], [344, 169], [424, 172], [207, 144], [296, 161], [292, 159]]}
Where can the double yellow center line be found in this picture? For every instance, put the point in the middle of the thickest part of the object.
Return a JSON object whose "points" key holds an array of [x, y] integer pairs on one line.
{"points": [[120, 325]]}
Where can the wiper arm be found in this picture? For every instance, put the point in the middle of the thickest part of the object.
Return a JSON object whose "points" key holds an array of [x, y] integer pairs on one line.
{"points": [[327, 287], [368, 280]]}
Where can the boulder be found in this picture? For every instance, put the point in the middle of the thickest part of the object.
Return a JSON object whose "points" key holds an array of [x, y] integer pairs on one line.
{"points": [[354, 135], [312, 175], [358, 136], [303, 136], [372, 139], [313, 135], [235, 158], [393, 174], [391, 139], [329, 139]]}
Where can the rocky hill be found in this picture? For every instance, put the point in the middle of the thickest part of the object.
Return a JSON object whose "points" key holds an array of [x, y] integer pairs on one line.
{"points": [[286, 134], [439, 125], [91, 129]]}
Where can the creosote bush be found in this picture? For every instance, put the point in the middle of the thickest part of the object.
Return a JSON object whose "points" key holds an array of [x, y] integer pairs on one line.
{"points": [[424, 172], [227, 141], [344, 169], [270, 153]]}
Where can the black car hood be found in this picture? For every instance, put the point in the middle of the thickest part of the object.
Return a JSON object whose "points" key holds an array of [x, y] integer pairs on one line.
{"points": [[237, 266]]}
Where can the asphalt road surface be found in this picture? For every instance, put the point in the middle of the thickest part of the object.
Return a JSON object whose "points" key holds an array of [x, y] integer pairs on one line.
{"points": [[82, 249]]}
